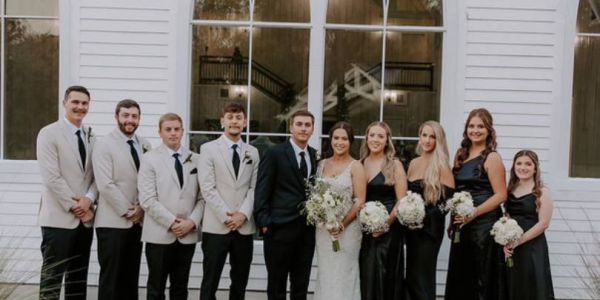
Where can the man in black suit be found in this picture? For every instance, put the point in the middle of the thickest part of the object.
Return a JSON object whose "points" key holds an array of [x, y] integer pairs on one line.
{"points": [[289, 243]]}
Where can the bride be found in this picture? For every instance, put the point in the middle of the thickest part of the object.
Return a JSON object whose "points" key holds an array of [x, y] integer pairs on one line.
{"points": [[338, 272]]}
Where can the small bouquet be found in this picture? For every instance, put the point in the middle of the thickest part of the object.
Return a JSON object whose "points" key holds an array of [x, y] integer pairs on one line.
{"points": [[373, 217], [461, 204], [411, 210], [324, 207], [506, 231]]}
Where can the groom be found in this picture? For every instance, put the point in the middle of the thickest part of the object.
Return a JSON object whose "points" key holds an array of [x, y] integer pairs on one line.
{"points": [[289, 243]]}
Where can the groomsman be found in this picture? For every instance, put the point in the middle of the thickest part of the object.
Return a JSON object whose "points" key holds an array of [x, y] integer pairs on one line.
{"points": [[64, 150], [170, 197], [227, 174], [118, 215], [289, 243]]}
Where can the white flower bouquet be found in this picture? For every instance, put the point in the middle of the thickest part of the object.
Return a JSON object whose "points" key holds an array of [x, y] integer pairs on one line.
{"points": [[461, 204], [324, 207], [411, 210], [373, 217], [505, 232]]}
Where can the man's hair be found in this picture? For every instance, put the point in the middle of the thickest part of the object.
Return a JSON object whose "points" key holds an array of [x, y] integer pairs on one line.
{"points": [[169, 117], [127, 103], [234, 108], [76, 88], [302, 113]]}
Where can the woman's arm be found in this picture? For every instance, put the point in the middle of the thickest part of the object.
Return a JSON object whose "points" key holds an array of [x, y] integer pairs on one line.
{"points": [[400, 186], [544, 216], [359, 188]]}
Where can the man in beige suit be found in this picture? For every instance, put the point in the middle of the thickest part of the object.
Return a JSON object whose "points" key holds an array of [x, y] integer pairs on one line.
{"points": [[64, 150], [170, 197], [119, 217], [227, 174]]}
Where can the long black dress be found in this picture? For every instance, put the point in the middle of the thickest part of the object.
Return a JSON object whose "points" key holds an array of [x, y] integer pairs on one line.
{"points": [[476, 263], [381, 259], [423, 246], [530, 277]]}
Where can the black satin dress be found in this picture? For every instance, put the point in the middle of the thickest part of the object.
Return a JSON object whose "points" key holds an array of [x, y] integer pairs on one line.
{"points": [[530, 277], [381, 259], [476, 263], [423, 246]]}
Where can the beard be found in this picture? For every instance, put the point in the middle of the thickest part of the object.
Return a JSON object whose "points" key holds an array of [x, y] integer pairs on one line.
{"points": [[123, 128]]}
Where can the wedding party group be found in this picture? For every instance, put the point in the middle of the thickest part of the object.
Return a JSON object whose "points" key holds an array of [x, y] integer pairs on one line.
{"points": [[375, 228]]}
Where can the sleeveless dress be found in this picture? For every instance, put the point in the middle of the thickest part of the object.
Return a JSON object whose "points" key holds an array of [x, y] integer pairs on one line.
{"points": [[338, 272], [476, 263], [530, 277], [423, 247], [381, 258]]}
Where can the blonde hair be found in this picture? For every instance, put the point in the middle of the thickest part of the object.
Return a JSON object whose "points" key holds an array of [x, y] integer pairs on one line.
{"points": [[388, 169], [432, 180]]}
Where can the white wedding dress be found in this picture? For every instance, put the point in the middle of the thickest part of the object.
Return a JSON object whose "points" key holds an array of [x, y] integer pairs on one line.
{"points": [[338, 272]]}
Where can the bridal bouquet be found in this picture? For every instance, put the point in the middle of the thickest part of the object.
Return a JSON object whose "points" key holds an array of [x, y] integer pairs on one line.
{"points": [[506, 231], [411, 210], [373, 217], [461, 204], [324, 207]]}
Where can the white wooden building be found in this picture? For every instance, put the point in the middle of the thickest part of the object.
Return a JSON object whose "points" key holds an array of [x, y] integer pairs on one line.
{"points": [[517, 58]]}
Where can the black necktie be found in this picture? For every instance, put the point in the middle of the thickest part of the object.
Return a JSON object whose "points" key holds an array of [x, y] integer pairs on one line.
{"points": [[235, 160], [81, 146], [134, 154], [179, 169], [303, 165]]}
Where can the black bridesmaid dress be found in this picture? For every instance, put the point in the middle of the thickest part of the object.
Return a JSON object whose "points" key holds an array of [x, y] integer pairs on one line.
{"points": [[530, 277], [476, 263], [381, 259], [423, 246]]}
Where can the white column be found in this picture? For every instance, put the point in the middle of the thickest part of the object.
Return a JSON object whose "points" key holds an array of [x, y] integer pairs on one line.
{"points": [[316, 66]]}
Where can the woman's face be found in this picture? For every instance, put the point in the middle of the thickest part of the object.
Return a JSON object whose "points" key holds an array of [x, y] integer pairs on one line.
{"points": [[524, 167], [376, 139], [340, 142], [476, 131], [427, 139]]}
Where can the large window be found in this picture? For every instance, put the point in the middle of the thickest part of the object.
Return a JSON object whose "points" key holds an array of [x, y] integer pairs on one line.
{"points": [[29, 73], [585, 128]]}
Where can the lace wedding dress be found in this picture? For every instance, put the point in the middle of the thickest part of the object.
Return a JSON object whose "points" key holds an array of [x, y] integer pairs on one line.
{"points": [[338, 272]]}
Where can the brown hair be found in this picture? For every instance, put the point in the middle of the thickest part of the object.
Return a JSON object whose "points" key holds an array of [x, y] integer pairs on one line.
{"points": [[127, 103], [169, 117], [302, 113], [388, 169], [537, 178], [76, 88], [490, 142], [339, 125], [234, 108]]}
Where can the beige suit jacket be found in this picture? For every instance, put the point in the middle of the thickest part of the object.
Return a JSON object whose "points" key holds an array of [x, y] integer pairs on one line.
{"points": [[163, 199], [63, 174], [116, 179], [221, 190]]}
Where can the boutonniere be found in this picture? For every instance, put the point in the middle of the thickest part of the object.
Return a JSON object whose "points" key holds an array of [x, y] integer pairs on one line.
{"points": [[247, 157], [188, 158], [145, 148], [318, 156], [90, 134]]}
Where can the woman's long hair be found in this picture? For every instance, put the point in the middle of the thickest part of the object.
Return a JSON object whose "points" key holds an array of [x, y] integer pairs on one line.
{"points": [[389, 151], [339, 125], [465, 145], [537, 178], [432, 180]]}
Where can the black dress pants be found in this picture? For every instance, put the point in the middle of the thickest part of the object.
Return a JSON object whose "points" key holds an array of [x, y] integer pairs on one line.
{"points": [[173, 261]]}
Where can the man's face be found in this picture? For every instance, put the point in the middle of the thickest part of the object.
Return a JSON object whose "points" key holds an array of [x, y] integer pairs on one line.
{"points": [[128, 119], [234, 123], [301, 129], [171, 132], [76, 106]]}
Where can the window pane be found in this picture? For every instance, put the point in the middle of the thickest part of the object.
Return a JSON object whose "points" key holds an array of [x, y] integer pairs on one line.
{"points": [[352, 87], [31, 93], [262, 143], [585, 128], [368, 12], [412, 80], [196, 140], [588, 16], [219, 73], [406, 151], [415, 12], [282, 11], [32, 8], [279, 77], [234, 10]]}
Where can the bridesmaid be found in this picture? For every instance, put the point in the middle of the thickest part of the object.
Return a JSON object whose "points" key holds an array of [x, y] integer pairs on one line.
{"points": [[530, 204], [430, 176], [381, 254], [476, 262]]}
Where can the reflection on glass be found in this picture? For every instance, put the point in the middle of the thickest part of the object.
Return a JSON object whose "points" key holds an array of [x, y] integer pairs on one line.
{"points": [[233, 10], [412, 81], [282, 11], [262, 142], [279, 77], [31, 59], [219, 73], [45, 8], [196, 140], [369, 12], [588, 16], [352, 86], [406, 151], [415, 13]]}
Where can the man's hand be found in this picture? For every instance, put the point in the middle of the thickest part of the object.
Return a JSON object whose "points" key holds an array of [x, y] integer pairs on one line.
{"points": [[135, 214], [264, 230], [81, 208], [236, 220], [181, 227]]}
